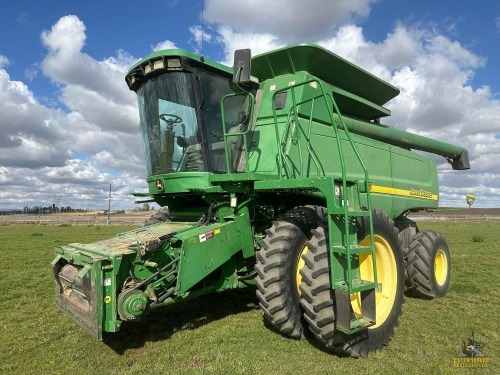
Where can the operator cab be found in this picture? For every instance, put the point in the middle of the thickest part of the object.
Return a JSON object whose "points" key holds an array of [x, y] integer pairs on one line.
{"points": [[189, 109]]}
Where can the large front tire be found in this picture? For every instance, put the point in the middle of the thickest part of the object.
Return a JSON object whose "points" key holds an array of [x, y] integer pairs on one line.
{"points": [[429, 265], [276, 268], [318, 297], [278, 263]]}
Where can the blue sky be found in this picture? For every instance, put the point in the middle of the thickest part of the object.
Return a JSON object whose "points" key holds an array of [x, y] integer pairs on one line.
{"points": [[113, 25], [475, 25], [69, 124]]}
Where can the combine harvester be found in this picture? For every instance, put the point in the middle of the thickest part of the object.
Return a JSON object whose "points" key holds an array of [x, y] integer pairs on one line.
{"points": [[276, 173]]}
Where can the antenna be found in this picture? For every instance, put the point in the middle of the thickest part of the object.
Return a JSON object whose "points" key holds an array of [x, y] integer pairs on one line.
{"points": [[202, 11]]}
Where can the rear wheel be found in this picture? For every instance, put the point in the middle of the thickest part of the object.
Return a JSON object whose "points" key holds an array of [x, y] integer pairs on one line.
{"points": [[405, 236], [278, 264], [429, 265], [318, 297]]}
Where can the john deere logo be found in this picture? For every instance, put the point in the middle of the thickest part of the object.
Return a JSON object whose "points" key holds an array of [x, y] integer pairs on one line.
{"points": [[159, 184]]}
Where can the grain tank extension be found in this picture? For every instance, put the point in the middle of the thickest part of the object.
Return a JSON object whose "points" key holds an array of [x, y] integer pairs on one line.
{"points": [[277, 174]]}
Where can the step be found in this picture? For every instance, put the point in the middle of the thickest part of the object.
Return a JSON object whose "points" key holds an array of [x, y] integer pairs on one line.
{"points": [[351, 212], [358, 212], [353, 250], [346, 321], [356, 325], [357, 285]]}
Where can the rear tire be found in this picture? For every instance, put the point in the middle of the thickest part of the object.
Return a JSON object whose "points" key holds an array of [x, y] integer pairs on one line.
{"points": [[405, 236], [318, 297], [429, 266], [278, 265]]}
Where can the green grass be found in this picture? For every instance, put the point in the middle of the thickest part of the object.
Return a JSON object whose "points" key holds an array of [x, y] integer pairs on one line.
{"points": [[224, 333], [476, 238]]}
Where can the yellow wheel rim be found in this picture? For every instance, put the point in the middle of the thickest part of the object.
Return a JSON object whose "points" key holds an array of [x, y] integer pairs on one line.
{"points": [[300, 265], [440, 267], [387, 276]]}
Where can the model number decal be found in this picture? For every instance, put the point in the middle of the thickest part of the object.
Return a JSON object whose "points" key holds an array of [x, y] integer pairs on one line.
{"points": [[413, 192], [421, 193]]}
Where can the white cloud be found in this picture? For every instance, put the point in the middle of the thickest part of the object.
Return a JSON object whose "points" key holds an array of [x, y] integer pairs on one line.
{"points": [[4, 61], [79, 74], [198, 35], [66, 38], [258, 43], [104, 111], [31, 73], [166, 44], [433, 74], [29, 130], [288, 20], [93, 141], [102, 120], [436, 96], [400, 48]]}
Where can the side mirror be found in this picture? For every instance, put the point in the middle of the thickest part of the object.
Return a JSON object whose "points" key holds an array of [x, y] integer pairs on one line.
{"points": [[242, 66]]}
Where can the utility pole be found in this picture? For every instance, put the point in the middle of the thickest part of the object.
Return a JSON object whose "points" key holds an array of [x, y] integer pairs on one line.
{"points": [[109, 204]]}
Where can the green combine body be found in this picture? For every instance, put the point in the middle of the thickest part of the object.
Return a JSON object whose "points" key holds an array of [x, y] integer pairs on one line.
{"points": [[276, 173]]}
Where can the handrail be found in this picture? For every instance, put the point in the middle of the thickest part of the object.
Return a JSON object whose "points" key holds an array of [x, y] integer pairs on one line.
{"points": [[282, 163], [281, 158], [367, 189]]}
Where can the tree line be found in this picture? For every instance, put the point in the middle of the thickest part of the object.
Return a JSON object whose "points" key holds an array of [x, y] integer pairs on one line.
{"points": [[39, 210]]}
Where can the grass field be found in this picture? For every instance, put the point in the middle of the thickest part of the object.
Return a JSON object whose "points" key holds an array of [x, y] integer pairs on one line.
{"points": [[224, 333]]}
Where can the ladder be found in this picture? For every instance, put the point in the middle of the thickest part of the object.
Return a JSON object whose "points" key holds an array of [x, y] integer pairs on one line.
{"points": [[345, 251], [344, 210], [345, 261]]}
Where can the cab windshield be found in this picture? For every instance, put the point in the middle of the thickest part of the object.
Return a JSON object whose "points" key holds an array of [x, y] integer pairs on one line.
{"points": [[182, 131]]}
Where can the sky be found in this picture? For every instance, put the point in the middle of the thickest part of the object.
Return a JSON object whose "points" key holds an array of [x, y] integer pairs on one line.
{"points": [[69, 124]]}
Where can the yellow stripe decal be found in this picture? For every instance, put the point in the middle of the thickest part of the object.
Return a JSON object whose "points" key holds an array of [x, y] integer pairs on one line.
{"points": [[413, 193]]}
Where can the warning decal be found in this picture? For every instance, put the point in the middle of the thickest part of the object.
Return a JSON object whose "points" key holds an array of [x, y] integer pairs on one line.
{"points": [[208, 235]]}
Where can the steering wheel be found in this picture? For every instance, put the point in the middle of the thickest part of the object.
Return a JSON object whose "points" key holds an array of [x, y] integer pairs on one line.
{"points": [[174, 119]]}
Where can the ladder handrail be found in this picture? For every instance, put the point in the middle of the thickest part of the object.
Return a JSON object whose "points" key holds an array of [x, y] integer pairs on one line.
{"points": [[367, 189], [343, 202]]}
